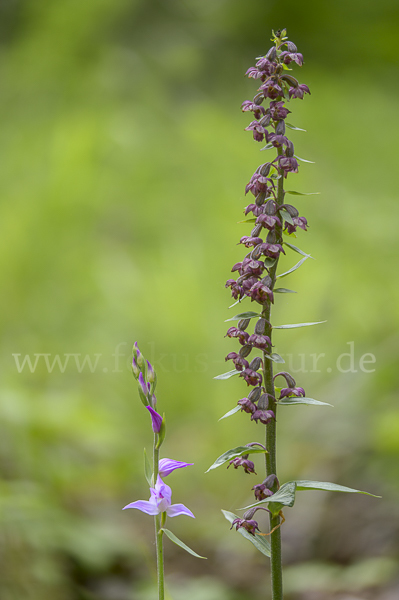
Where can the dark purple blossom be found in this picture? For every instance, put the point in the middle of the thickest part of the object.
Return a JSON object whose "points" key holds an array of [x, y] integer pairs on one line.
{"points": [[247, 405], [248, 284], [249, 241], [237, 333], [288, 57], [252, 267], [288, 164], [266, 66], [261, 293], [242, 461], [261, 491], [239, 362], [250, 525], [264, 416], [236, 290], [278, 111], [298, 222], [277, 139], [299, 91], [272, 250], [251, 377], [271, 89], [268, 221], [258, 110], [253, 208], [259, 341], [294, 391], [257, 129]]}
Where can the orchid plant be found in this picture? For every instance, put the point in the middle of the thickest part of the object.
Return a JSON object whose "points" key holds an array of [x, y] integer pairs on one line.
{"points": [[274, 224], [159, 504]]}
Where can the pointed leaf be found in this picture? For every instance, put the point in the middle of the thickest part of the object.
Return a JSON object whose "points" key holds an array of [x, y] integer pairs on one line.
{"points": [[231, 412], [328, 487], [252, 220], [296, 400], [302, 193], [286, 216], [283, 291], [275, 357], [238, 301], [147, 469], [260, 542], [285, 496], [178, 542], [267, 147], [234, 453], [245, 315], [296, 325], [296, 249], [227, 375], [294, 268], [304, 159], [293, 127]]}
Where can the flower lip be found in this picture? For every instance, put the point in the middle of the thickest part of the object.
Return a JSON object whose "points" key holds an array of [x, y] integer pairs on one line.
{"points": [[160, 502]]}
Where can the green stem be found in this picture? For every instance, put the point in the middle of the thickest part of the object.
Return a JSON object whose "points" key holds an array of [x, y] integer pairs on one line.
{"points": [[270, 457], [158, 533]]}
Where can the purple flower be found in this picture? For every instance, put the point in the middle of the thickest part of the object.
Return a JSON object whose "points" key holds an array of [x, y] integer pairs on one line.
{"points": [[271, 89], [160, 502], [242, 461], [264, 416], [237, 333], [156, 420], [261, 293], [261, 491], [299, 91], [272, 250], [292, 56], [253, 73], [258, 111], [150, 373], [239, 362], [268, 221], [278, 111], [266, 66], [298, 222], [251, 377], [167, 466], [247, 406], [253, 208], [262, 342], [249, 241], [292, 391], [236, 289], [250, 525], [288, 164], [257, 130]]}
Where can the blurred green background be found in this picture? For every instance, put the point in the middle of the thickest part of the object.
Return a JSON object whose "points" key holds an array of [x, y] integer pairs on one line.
{"points": [[123, 162]]}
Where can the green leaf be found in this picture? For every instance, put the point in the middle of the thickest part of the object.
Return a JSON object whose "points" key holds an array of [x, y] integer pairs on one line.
{"points": [[260, 542], [294, 268], [286, 216], [283, 291], [227, 375], [252, 220], [296, 325], [267, 147], [245, 315], [234, 453], [296, 249], [301, 193], [147, 469], [231, 412], [304, 159], [275, 357], [269, 262], [293, 127], [328, 487], [178, 542], [285, 496], [162, 433], [296, 400], [238, 301]]}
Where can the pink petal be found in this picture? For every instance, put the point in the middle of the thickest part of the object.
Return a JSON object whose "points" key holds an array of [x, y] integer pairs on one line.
{"points": [[145, 506], [167, 466], [178, 509]]}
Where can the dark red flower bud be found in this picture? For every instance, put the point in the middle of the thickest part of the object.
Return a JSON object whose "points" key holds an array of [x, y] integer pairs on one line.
{"points": [[243, 324], [245, 351]]}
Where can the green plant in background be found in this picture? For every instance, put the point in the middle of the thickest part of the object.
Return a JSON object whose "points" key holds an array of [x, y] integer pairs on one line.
{"points": [[275, 223], [160, 503]]}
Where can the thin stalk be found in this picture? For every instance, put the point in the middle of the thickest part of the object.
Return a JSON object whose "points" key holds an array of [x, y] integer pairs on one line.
{"points": [[270, 457], [158, 533]]}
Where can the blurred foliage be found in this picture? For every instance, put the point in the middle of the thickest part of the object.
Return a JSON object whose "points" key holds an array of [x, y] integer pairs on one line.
{"points": [[123, 165]]}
